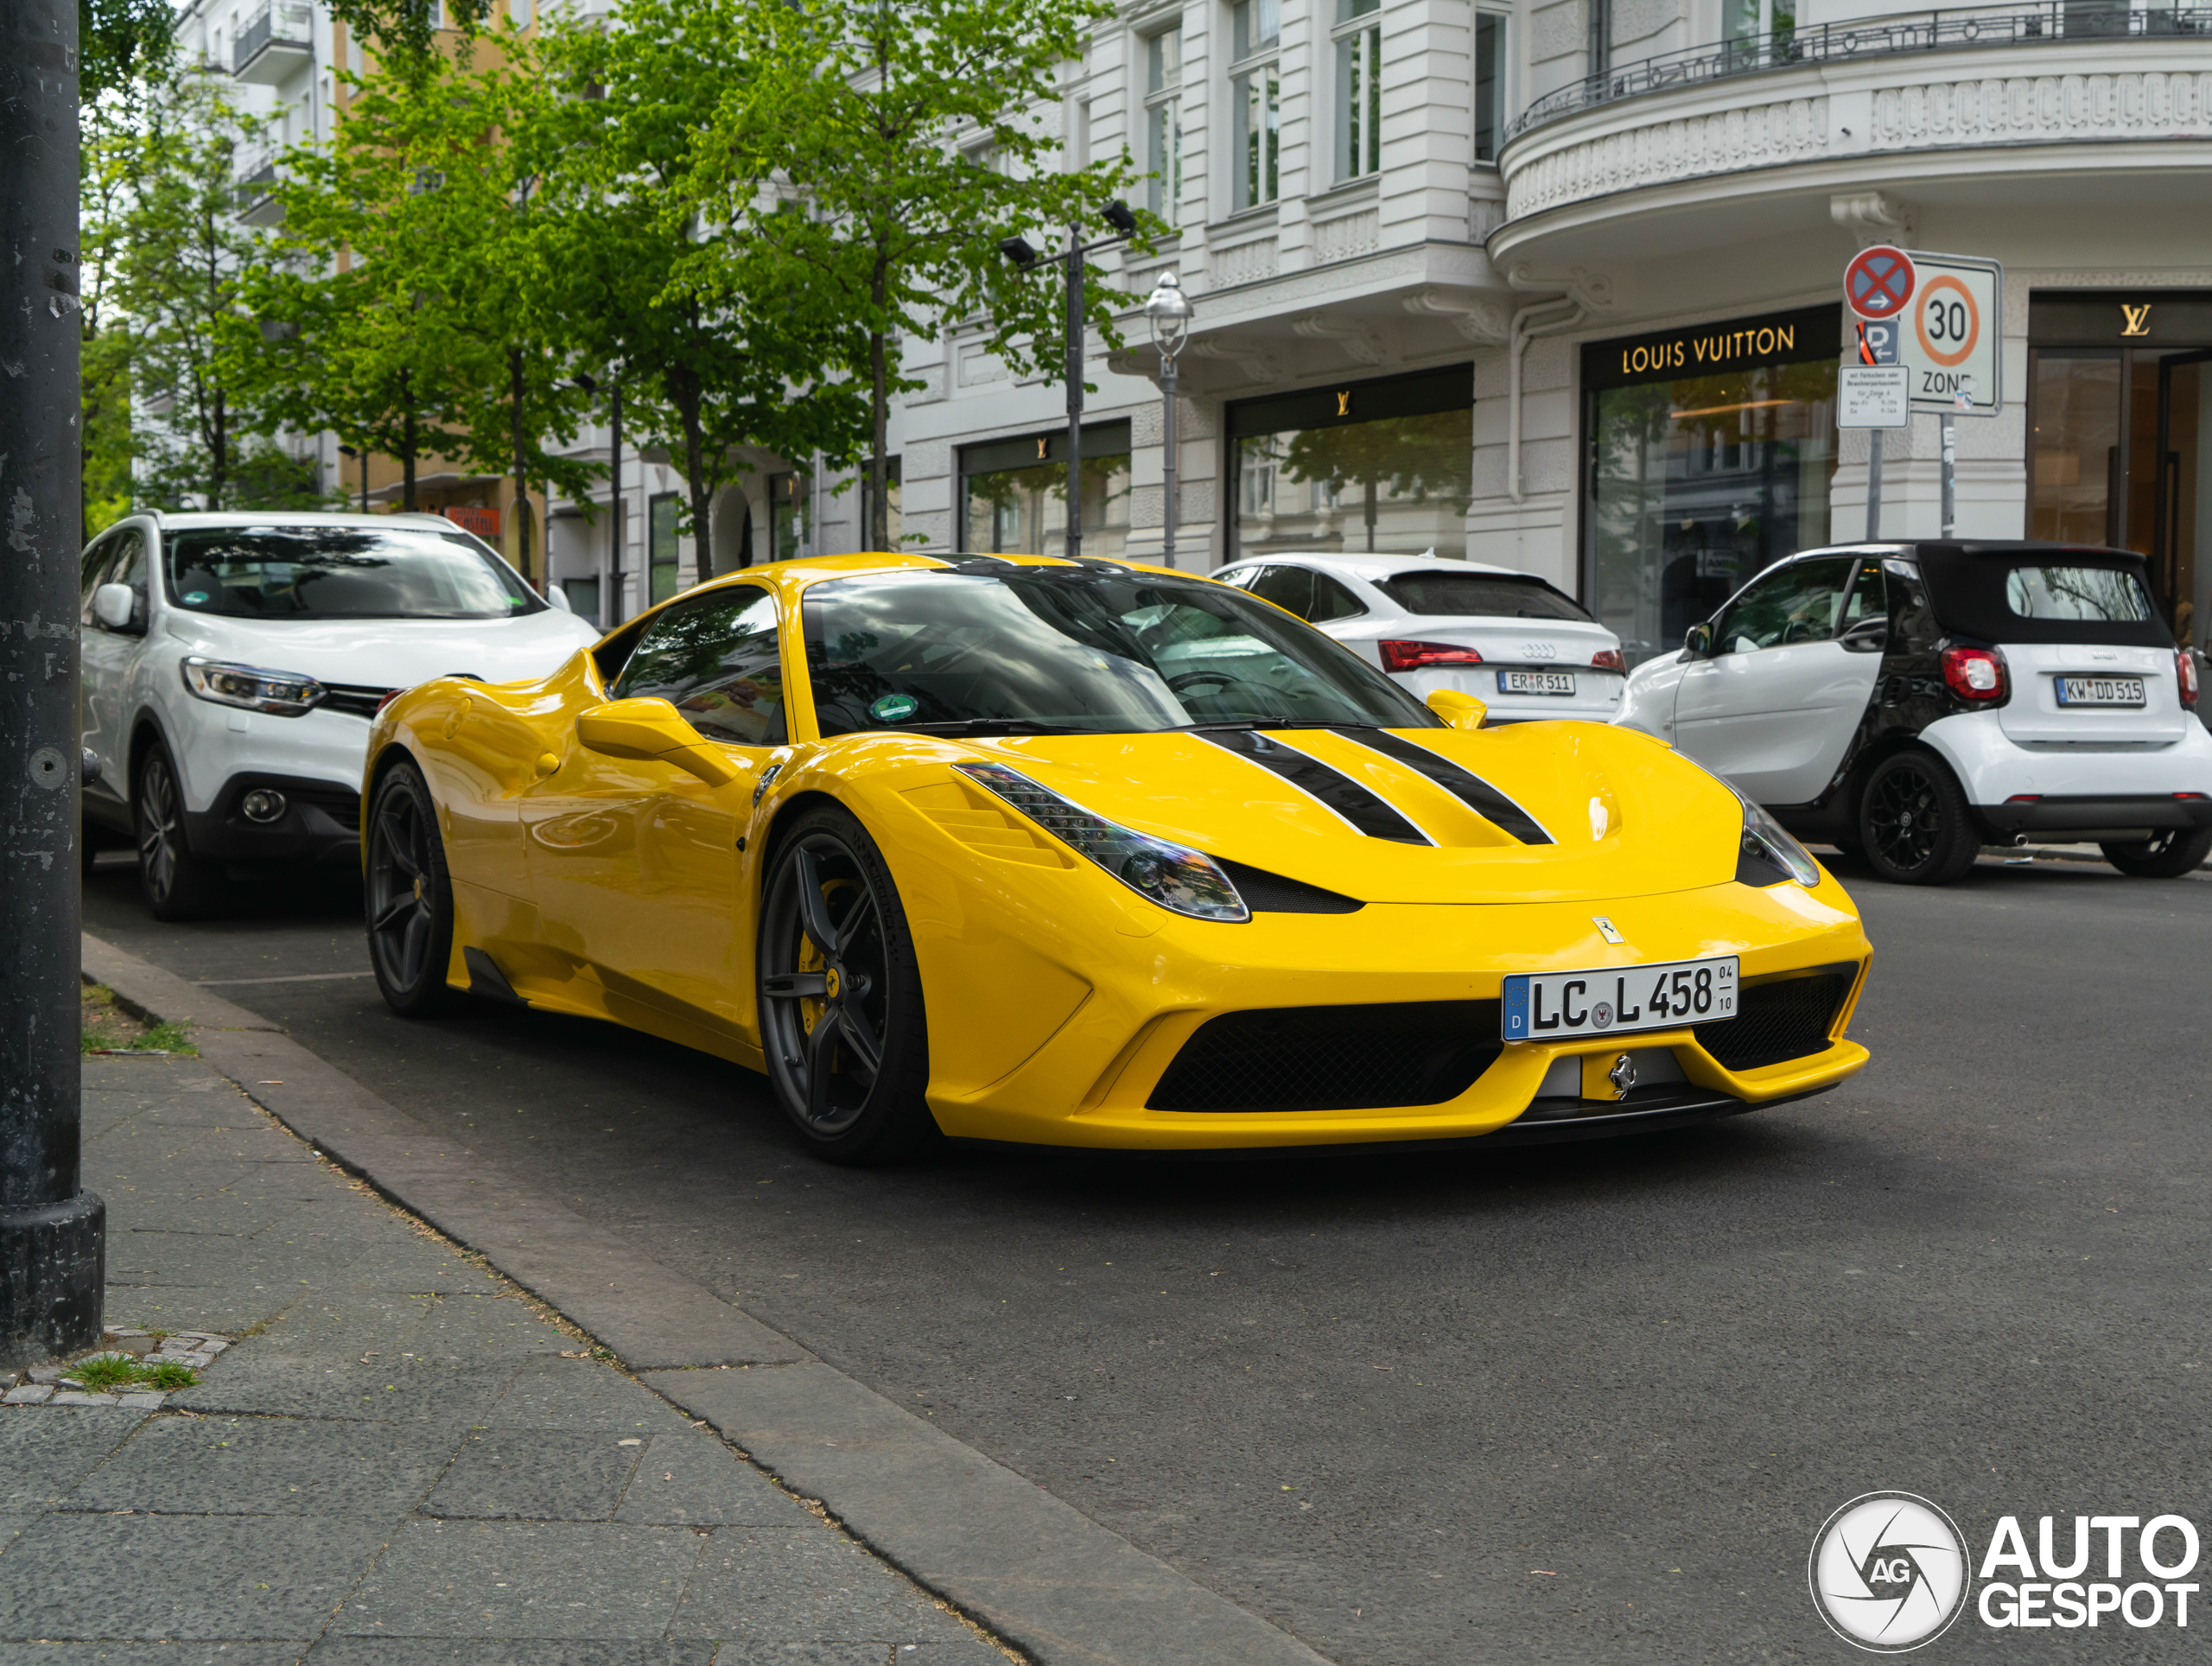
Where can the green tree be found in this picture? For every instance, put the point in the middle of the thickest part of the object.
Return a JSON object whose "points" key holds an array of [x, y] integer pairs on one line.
{"points": [[104, 200], [703, 373], [870, 161], [121, 42]]}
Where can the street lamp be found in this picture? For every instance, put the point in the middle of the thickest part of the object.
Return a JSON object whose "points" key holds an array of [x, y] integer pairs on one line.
{"points": [[1169, 311], [1024, 256]]}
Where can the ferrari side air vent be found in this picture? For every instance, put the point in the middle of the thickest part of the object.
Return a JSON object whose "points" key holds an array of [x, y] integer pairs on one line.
{"points": [[1778, 1018], [1415, 1052], [983, 823], [1271, 893]]}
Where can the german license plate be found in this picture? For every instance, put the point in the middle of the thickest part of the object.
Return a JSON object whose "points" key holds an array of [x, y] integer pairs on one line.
{"points": [[1536, 682], [1616, 1000], [2099, 691]]}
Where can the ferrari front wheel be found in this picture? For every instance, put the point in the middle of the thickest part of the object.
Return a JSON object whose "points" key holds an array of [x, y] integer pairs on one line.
{"points": [[841, 1022]]}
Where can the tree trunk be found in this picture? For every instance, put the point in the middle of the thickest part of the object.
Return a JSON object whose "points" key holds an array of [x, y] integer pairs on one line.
{"points": [[879, 466], [522, 529], [407, 440], [685, 392], [219, 459]]}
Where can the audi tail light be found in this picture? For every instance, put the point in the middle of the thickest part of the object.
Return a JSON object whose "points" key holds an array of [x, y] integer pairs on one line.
{"points": [[1975, 674], [1608, 659], [1415, 656], [2186, 675]]}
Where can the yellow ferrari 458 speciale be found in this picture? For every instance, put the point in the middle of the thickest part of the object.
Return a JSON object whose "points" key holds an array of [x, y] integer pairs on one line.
{"points": [[1087, 854]]}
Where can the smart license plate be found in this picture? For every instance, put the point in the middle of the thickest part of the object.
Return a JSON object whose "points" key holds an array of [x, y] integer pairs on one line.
{"points": [[1536, 682], [2099, 691], [1618, 1000]]}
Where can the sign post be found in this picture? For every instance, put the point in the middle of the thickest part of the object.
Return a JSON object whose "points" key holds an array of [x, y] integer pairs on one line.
{"points": [[1873, 390]]}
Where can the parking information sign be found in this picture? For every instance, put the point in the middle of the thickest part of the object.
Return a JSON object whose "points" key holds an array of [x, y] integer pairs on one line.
{"points": [[1873, 396], [1949, 331]]}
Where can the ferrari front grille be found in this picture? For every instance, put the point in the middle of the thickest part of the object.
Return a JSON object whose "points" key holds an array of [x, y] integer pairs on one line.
{"points": [[1423, 1053], [1779, 1018]]}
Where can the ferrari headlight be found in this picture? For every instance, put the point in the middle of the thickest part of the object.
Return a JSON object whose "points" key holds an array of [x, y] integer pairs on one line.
{"points": [[1186, 880], [1766, 837], [281, 694]]}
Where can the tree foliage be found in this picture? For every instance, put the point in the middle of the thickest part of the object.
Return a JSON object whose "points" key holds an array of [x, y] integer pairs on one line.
{"points": [[871, 159]]}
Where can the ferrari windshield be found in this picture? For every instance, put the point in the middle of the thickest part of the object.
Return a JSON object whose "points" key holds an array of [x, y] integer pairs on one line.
{"points": [[321, 571], [988, 645]]}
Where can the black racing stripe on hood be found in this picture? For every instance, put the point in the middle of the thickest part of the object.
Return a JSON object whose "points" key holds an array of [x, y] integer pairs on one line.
{"points": [[1363, 809], [1469, 788]]}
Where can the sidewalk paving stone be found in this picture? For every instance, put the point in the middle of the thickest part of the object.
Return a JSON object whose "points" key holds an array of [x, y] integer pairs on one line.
{"points": [[391, 1463]]}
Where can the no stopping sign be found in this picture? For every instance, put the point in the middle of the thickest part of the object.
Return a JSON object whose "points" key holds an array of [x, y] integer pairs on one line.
{"points": [[1878, 283]]}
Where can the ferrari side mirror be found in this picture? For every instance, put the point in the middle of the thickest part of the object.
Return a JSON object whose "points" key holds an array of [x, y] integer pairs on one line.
{"points": [[1697, 642], [1461, 710], [653, 731]]}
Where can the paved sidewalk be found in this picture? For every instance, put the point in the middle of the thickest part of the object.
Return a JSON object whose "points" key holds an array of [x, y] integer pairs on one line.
{"points": [[397, 1461]]}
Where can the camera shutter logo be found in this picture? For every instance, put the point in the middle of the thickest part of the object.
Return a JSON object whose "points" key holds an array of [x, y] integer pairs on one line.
{"points": [[1889, 1572]]}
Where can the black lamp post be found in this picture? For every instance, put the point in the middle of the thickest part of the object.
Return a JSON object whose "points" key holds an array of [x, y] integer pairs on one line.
{"points": [[1023, 255]]}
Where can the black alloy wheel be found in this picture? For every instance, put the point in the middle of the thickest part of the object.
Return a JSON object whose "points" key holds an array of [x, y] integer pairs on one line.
{"points": [[2166, 856], [841, 1022], [408, 896], [1914, 825], [177, 885]]}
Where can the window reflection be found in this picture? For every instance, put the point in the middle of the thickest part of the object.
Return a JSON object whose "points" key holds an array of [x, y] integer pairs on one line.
{"points": [[1397, 484], [1024, 510]]}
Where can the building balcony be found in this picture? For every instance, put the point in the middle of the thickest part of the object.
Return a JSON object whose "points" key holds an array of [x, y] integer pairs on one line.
{"points": [[257, 195], [273, 46], [2070, 104]]}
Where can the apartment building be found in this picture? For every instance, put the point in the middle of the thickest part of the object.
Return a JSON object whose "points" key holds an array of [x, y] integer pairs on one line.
{"points": [[1555, 284]]}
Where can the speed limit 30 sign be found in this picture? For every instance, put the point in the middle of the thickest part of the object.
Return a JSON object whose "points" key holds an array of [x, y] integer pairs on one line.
{"points": [[1949, 327]]}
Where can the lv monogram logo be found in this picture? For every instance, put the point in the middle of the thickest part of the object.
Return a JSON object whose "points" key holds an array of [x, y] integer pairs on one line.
{"points": [[1344, 404], [1040, 451], [2138, 319]]}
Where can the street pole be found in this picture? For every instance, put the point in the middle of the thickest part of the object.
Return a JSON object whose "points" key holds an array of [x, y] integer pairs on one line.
{"points": [[52, 1233], [1075, 393], [612, 610], [1167, 456], [1874, 483], [1168, 310], [1950, 473]]}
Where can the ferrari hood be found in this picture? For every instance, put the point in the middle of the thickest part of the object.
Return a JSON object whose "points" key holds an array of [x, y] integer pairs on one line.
{"points": [[1553, 811]]}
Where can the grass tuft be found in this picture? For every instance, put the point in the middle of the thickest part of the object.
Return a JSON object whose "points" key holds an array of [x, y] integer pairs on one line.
{"points": [[117, 1373]]}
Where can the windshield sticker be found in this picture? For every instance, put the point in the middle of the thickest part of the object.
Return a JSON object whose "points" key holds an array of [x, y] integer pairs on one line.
{"points": [[894, 708]]}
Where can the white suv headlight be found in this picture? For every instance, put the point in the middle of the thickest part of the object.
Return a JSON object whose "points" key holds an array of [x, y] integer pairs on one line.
{"points": [[281, 694], [1188, 881]]}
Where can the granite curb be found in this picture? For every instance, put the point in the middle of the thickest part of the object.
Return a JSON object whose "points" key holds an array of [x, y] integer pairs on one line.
{"points": [[1037, 1571]]}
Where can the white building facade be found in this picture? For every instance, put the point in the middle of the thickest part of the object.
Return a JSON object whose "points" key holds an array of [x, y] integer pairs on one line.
{"points": [[1557, 286]]}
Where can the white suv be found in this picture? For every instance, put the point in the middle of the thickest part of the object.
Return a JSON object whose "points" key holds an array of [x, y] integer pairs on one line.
{"points": [[1907, 703], [1523, 648], [232, 662]]}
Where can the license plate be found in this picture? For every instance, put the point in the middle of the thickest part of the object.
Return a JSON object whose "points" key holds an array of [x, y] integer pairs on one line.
{"points": [[1536, 682], [2099, 691], [1618, 1000]]}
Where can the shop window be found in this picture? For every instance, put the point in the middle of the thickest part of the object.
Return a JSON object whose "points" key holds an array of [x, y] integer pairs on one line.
{"points": [[1359, 88], [583, 598], [1013, 494], [661, 516], [788, 522], [1163, 107], [1489, 85], [2074, 446], [1383, 466], [1255, 101], [1700, 478]]}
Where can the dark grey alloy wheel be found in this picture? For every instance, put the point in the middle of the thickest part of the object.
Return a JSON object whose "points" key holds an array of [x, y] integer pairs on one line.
{"points": [[178, 885], [1914, 823], [841, 1022], [2166, 856], [409, 900]]}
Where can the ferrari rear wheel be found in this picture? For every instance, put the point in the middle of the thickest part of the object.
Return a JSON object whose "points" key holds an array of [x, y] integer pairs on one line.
{"points": [[408, 896], [842, 1021], [1913, 821], [2163, 856]]}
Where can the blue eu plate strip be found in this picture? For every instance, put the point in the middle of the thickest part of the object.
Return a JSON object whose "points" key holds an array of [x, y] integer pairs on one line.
{"points": [[1516, 1009]]}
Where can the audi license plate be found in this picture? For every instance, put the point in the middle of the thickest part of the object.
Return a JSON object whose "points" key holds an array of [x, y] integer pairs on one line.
{"points": [[1536, 682], [1558, 1006], [2099, 691]]}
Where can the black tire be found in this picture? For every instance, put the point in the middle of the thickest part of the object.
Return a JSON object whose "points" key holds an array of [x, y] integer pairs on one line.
{"points": [[1914, 825], [842, 1020], [2166, 857], [177, 884], [407, 896]]}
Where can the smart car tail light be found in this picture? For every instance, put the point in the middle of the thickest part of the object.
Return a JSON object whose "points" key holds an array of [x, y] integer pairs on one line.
{"points": [[1413, 656], [1187, 881], [1608, 659], [2186, 675], [1975, 674], [280, 694]]}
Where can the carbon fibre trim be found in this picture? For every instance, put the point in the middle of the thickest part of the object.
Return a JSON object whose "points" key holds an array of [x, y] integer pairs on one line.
{"points": [[1469, 788], [1367, 813]]}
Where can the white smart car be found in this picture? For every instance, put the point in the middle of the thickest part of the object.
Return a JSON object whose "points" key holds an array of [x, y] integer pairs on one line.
{"points": [[1524, 649], [232, 662]]}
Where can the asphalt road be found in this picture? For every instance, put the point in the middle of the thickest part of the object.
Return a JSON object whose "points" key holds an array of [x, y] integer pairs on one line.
{"points": [[1572, 1403]]}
